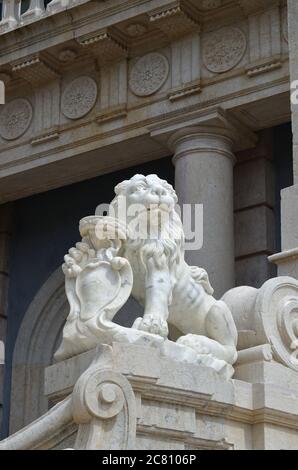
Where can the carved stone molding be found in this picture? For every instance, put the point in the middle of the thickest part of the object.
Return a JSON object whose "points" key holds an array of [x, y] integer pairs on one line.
{"points": [[105, 45], [184, 91], [15, 118], [223, 49], [47, 136], [263, 66], [79, 97], [35, 69], [177, 19], [109, 114], [148, 74]]}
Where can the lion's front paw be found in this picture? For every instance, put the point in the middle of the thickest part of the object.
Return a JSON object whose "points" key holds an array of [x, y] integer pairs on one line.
{"points": [[152, 324]]}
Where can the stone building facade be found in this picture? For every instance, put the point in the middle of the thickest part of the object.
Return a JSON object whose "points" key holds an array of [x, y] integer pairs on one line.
{"points": [[197, 91]]}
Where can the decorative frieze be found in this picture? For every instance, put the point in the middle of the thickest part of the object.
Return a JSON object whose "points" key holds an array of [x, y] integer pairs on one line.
{"points": [[113, 92], [15, 118], [134, 30], [224, 49], [79, 97], [36, 69], [185, 67], [264, 41], [47, 112], [67, 55], [177, 19], [105, 45], [148, 74]]}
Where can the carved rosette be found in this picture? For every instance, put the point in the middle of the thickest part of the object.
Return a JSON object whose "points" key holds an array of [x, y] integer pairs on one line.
{"points": [[276, 317], [148, 74], [223, 49], [79, 97], [15, 119]]}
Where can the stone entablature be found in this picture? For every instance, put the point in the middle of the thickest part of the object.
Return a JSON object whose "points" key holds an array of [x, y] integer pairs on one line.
{"points": [[151, 66]]}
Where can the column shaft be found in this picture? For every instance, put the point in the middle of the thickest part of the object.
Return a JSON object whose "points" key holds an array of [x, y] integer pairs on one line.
{"points": [[204, 175]]}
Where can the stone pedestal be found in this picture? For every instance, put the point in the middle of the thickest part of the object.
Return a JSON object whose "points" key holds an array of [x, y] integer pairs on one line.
{"points": [[132, 397], [204, 163]]}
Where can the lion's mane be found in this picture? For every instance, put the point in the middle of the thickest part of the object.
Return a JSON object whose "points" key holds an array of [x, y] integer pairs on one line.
{"points": [[167, 249]]}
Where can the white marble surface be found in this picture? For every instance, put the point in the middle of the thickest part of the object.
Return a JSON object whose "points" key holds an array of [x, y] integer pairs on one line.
{"points": [[140, 250]]}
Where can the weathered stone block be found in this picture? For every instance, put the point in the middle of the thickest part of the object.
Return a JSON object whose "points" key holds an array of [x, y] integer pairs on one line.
{"points": [[254, 184], [254, 231], [254, 271]]}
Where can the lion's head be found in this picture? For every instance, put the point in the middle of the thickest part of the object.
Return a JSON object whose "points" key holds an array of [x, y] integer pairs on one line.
{"points": [[147, 204]]}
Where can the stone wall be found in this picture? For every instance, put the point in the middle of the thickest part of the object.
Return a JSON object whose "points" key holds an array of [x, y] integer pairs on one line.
{"points": [[254, 202], [5, 236]]}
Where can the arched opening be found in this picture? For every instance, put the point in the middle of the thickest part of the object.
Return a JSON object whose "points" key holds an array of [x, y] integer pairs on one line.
{"points": [[37, 341]]}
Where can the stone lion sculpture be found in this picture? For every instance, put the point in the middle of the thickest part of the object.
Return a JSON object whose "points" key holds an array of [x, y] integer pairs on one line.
{"points": [[138, 249], [170, 290]]}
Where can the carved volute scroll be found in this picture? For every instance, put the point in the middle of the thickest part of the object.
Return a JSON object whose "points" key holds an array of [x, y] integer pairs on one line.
{"points": [[104, 407], [276, 316]]}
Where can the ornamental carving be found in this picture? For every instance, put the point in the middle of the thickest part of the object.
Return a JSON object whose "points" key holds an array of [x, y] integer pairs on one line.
{"points": [[15, 119], [210, 4], [79, 97], [224, 49], [148, 74]]}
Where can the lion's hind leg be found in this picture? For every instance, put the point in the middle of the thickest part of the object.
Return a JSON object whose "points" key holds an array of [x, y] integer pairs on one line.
{"points": [[220, 336], [220, 327]]}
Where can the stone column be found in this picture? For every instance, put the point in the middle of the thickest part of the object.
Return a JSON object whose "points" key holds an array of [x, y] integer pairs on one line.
{"points": [[287, 260], [204, 163], [5, 233]]}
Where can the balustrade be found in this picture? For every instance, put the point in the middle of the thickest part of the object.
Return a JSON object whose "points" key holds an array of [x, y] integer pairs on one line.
{"points": [[15, 13]]}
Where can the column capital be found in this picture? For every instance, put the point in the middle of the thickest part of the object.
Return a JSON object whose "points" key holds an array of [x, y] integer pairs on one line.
{"points": [[215, 122], [202, 139]]}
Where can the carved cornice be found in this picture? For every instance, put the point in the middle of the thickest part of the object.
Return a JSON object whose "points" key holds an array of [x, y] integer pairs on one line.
{"points": [[176, 19], [106, 45], [36, 69]]}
